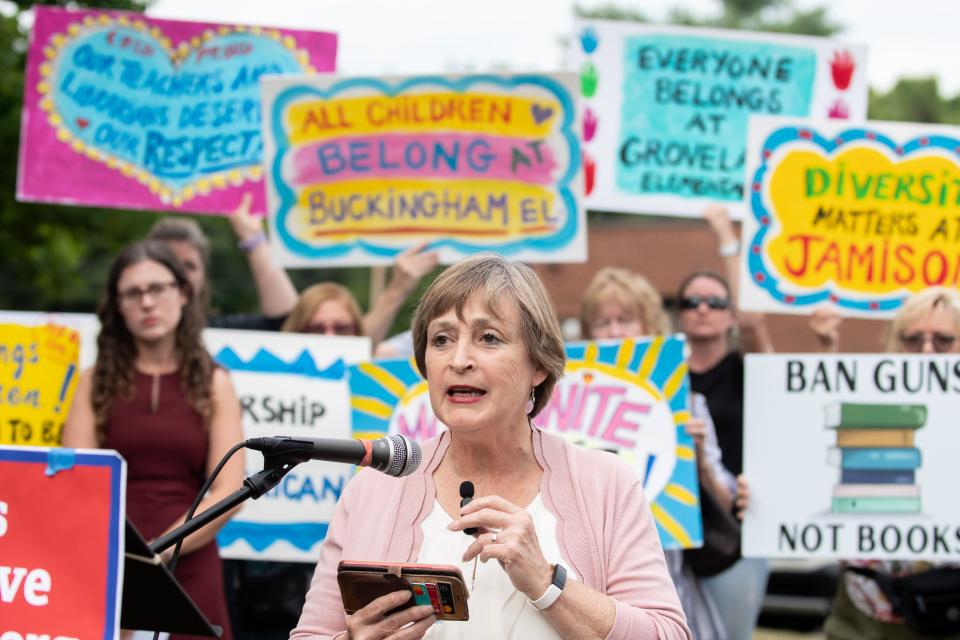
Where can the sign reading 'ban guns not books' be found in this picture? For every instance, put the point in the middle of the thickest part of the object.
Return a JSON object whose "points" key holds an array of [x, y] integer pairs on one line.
{"points": [[627, 397], [856, 217], [862, 462], [359, 169]]}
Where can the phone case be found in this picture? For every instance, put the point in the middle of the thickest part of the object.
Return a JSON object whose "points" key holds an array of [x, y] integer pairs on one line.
{"points": [[440, 585]]}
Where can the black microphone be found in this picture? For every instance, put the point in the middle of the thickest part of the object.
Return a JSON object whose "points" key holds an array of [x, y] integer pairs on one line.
{"points": [[394, 455], [466, 495]]}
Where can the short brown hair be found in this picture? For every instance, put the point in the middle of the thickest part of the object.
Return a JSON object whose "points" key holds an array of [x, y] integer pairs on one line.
{"points": [[181, 230], [632, 291], [917, 306], [312, 297], [494, 279]]}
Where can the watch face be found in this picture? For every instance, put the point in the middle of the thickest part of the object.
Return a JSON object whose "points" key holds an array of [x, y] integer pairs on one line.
{"points": [[559, 576]]}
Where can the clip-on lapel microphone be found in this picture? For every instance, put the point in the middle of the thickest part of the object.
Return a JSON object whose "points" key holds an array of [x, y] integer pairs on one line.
{"points": [[466, 495]]}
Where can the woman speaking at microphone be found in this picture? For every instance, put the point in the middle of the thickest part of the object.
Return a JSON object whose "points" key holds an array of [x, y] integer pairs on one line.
{"points": [[575, 550]]}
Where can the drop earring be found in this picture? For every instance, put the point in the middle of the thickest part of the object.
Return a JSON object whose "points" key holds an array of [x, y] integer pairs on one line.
{"points": [[530, 402]]}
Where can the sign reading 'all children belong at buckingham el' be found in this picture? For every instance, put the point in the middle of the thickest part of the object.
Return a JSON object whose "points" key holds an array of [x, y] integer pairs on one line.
{"points": [[359, 169], [665, 109]]}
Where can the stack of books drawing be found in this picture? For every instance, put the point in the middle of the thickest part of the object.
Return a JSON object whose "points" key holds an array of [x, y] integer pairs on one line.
{"points": [[878, 461]]}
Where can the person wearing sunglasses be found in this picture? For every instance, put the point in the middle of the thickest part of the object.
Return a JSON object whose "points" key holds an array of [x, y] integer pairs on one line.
{"points": [[928, 323], [706, 302]]}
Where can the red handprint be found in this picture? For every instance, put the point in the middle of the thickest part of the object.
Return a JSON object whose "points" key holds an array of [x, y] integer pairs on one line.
{"points": [[589, 173], [842, 67]]}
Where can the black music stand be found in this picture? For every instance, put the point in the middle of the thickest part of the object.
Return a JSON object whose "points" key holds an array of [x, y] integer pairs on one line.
{"points": [[153, 600]]}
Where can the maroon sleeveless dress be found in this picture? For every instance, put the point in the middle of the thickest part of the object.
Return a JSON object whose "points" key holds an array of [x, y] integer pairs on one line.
{"points": [[166, 454]]}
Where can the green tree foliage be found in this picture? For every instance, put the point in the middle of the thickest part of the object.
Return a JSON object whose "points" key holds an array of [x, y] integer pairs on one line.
{"points": [[755, 15], [914, 100]]}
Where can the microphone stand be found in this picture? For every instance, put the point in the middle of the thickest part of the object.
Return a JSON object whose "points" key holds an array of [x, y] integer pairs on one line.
{"points": [[275, 467]]}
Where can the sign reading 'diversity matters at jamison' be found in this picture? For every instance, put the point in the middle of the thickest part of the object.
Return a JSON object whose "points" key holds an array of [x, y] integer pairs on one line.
{"points": [[856, 217], [629, 398], [665, 108], [852, 456], [359, 169], [150, 114]]}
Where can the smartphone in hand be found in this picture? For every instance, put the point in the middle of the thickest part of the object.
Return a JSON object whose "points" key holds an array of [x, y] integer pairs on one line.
{"points": [[440, 586]]}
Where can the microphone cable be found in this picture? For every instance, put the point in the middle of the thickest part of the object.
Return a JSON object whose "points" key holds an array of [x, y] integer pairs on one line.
{"points": [[175, 556]]}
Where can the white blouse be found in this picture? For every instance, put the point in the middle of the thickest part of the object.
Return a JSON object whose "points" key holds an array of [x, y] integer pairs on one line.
{"points": [[497, 610]]}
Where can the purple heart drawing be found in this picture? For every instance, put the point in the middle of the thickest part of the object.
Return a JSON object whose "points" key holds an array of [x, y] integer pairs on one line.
{"points": [[540, 114]]}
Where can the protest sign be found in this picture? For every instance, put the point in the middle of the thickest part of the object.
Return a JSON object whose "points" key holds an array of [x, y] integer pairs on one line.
{"points": [[61, 543], [150, 114], [627, 397], [38, 374], [851, 456], [86, 325], [665, 108], [855, 217], [288, 385], [359, 169]]}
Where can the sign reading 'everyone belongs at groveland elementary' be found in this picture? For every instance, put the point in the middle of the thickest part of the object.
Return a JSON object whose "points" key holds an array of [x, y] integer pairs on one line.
{"points": [[358, 169], [150, 114], [855, 217], [665, 109]]}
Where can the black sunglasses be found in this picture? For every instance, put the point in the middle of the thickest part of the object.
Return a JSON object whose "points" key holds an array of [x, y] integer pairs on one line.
{"points": [[714, 302], [914, 342]]}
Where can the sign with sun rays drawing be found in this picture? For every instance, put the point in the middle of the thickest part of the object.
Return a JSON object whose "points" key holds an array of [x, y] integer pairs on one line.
{"points": [[629, 397]]}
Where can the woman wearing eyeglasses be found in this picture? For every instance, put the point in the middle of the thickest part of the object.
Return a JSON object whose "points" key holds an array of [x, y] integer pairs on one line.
{"points": [[706, 302], [156, 396], [928, 322]]}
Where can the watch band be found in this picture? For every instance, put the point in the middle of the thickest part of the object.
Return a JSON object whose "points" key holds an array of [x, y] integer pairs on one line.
{"points": [[252, 242], [553, 591]]}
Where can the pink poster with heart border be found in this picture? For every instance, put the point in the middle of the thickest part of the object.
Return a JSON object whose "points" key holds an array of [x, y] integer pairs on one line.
{"points": [[125, 111]]}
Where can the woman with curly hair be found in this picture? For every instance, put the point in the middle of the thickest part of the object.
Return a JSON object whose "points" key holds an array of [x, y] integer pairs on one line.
{"points": [[156, 396]]}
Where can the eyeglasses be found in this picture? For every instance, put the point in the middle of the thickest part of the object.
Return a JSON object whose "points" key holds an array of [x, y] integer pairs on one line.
{"points": [[714, 302], [915, 342], [337, 329], [134, 295]]}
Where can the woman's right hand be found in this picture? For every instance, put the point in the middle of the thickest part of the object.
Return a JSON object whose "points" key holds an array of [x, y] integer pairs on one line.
{"points": [[373, 623]]}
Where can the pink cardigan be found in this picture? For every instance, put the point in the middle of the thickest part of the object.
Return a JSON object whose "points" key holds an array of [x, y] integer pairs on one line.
{"points": [[604, 530]]}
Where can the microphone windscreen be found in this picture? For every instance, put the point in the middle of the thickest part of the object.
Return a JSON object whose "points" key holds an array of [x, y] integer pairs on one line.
{"points": [[406, 456], [466, 489]]}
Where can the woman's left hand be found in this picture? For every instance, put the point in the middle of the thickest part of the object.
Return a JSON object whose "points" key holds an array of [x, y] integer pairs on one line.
{"points": [[509, 537]]}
